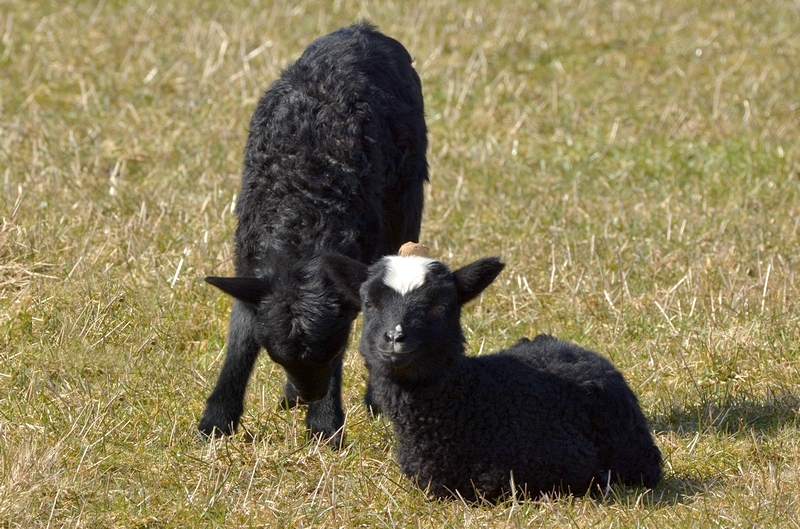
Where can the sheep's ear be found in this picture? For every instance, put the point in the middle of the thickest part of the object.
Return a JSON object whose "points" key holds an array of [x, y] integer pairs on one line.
{"points": [[473, 278], [347, 274], [248, 289]]}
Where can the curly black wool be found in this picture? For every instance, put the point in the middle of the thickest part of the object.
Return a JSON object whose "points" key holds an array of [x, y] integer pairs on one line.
{"points": [[335, 162], [545, 415]]}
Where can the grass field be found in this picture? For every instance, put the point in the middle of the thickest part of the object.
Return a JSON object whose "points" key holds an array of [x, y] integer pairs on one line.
{"points": [[635, 164]]}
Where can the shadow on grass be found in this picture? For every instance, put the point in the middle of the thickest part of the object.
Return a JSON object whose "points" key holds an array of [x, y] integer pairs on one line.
{"points": [[731, 415], [672, 490]]}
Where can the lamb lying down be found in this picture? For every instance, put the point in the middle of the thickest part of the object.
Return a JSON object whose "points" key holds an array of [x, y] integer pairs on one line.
{"points": [[545, 415]]}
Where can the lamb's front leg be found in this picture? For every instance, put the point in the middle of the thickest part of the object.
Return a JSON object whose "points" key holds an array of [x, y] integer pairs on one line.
{"points": [[370, 401], [325, 418], [225, 405]]}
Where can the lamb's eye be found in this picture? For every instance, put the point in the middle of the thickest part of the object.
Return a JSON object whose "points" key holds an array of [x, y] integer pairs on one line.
{"points": [[438, 310], [367, 305]]}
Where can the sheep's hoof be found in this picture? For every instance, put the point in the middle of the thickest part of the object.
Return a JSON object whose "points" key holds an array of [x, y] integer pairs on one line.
{"points": [[326, 423], [334, 440], [206, 435], [216, 422]]}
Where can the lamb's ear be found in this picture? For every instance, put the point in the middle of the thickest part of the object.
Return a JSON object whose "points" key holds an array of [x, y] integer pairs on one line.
{"points": [[248, 289], [347, 274], [474, 277]]}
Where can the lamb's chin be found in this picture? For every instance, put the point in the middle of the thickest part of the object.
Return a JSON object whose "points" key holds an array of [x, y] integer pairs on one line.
{"points": [[399, 359]]}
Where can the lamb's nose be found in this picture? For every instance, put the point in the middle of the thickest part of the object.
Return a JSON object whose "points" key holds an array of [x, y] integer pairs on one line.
{"points": [[395, 335]]}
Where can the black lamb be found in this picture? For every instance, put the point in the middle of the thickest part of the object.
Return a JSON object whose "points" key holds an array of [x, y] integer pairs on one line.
{"points": [[334, 162], [545, 415]]}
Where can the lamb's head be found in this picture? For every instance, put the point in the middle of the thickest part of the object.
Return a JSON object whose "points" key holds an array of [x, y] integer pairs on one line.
{"points": [[302, 321], [412, 307]]}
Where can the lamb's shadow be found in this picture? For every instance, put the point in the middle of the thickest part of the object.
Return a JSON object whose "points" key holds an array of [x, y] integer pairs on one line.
{"points": [[731, 415], [672, 490]]}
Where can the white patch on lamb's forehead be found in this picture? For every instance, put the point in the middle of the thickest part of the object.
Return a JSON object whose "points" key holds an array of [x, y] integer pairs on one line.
{"points": [[404, 274]]}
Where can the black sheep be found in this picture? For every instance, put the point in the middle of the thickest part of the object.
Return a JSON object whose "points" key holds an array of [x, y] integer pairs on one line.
{"points": [[545, 414], [334, 162]]}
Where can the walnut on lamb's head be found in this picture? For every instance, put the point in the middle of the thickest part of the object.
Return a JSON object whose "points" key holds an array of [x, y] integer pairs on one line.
{"points": [[414, 248]]}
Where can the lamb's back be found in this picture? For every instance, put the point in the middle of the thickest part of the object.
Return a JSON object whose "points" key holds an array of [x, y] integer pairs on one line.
{"points": [[497, 416], [571, 364], [619, 429], [548, 412]]}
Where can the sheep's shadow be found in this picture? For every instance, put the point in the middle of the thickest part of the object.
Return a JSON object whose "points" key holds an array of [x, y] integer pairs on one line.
{"points": [[731, 415], [673, 490]]}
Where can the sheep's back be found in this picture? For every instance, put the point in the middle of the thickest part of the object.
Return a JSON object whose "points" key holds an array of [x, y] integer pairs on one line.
{"points": [[324, 149]]}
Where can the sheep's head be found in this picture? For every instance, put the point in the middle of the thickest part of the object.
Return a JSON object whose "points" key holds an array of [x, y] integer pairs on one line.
{"points": [[412, 307], [301, 320]]}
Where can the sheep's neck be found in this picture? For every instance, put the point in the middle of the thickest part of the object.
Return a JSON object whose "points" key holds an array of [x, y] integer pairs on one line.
{"points": [[282, 257]]}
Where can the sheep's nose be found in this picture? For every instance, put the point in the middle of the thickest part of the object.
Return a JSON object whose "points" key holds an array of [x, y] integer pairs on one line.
{"points": [[395, 335]]}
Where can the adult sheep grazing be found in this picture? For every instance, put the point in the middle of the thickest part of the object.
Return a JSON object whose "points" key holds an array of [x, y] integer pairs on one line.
{"points": [[545, 415], [334, 162]]}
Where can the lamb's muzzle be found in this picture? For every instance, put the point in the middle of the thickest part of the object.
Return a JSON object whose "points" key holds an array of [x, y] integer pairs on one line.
{"points": [[396, 337]]}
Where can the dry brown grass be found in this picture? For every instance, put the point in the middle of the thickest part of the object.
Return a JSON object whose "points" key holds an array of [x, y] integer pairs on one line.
{"points": [[636, 164]]}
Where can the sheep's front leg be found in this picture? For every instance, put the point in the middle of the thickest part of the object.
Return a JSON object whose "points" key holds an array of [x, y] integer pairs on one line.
{"points": [[325, 418], [225, 404]]}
